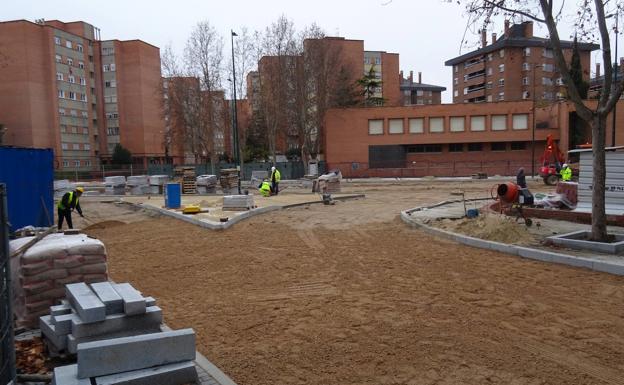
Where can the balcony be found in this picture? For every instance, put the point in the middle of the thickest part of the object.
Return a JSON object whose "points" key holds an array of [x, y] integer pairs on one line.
{"points": [[474, 62]]}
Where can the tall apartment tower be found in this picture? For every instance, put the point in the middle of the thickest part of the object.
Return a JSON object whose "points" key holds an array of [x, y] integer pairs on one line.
{"points": [[515, 66], [52, 93]]}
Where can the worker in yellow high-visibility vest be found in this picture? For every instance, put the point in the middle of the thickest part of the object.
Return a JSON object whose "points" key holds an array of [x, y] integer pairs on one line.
{"points": [[566, 173], [275, 179], [265, 189], [66, 205]]}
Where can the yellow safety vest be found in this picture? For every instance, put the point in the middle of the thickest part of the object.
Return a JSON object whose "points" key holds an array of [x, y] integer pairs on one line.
{"points": [[71, 198]]}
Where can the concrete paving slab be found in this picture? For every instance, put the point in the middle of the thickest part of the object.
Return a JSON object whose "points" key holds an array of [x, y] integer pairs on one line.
{"points": [[68, 375], [152, 318], [49, 331], [109, 296], [172, 374], [124, 354], [85, 302], [133, 301]]}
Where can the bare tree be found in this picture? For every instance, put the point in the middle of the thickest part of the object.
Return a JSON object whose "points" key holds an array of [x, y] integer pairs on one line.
{"points": [[591, 21], [203, 58]]}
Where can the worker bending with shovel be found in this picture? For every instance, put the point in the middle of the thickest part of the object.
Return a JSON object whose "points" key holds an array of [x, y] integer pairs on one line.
{"points": [[67, 204]]}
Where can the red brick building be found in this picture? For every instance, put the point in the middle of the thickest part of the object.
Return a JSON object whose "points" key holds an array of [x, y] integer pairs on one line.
{"points": [[55, 92], [447, 140], [419, 93], [513, 67]]}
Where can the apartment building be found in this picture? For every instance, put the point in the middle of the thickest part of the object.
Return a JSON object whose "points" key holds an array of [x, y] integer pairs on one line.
{"points": [[52, 93], [515, 66], [419, 93]]}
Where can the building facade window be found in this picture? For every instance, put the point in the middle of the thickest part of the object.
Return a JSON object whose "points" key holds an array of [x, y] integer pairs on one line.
{"points": [[488, 85], [112, 115], [525, 81], [81, 64], [84, 114], [489, 71], [547, 81], [520, 121], [375, 127], [70, 62], [76, 163], [112, 68], [477, 123], [526, 66], [108, 51], [73, 112], [456, 147], [501, 68], [72, 96], [105, 68], [548, 67], [110, 84], [395, 126], [547, 53], [501, 82], [457, 123], [83, 97], [57, 40], [499, 122], [490, 57], [517, 146], [87, 163], [58, 58], [68, 44], [436, 124], [377, 60], [112, 131], [455, 93], [76, 146], [501, 53], [64, 146], [59, 76], [498, 146], [475, 147], [501, 96], [61, 111], [527, 51], [83, 81], [71, 78], [79, 47], [61, 94], [87, 147], [416, 125], [65, 163], [455, 81]]}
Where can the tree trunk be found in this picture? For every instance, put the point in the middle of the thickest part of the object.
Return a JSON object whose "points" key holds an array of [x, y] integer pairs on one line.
{"points": [[599, 217]]}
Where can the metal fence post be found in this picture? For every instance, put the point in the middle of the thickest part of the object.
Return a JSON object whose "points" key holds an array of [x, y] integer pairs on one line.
{"points": [[7, 349]]}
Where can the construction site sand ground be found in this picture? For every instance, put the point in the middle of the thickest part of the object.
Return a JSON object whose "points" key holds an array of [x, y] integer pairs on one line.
{"points": [[348, 294]]}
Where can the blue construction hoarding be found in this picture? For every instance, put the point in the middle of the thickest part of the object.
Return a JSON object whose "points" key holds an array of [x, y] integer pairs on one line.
{"points": [[29, 176]]}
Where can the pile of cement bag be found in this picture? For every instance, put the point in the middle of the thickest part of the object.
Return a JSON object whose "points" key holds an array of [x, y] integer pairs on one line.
{"points": [[115, 185], [138, 184], [41, 273], [206, 184], [328, 182]]}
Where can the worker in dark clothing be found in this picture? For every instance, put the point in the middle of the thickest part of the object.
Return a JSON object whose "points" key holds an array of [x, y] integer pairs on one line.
{"points": [[66, 205], [275, 180], [521, 179]]}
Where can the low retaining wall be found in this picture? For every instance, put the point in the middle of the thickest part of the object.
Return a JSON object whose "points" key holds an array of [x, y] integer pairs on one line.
{"points": [[520, 251]]}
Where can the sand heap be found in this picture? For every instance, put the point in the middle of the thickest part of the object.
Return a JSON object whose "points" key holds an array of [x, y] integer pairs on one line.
{"points": [[495, 227]]}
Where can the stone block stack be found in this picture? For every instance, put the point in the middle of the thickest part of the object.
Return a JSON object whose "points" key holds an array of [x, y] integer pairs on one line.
{"points": [[138, 184], [99, 311], [116, 335], [206, 184], [115, 185], [238, 202], [40, 274]]}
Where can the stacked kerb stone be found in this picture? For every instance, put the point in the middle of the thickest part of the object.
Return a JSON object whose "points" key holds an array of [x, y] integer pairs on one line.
{"points": [[138, 184], [99, 311], [164, 358], [238, 202]]}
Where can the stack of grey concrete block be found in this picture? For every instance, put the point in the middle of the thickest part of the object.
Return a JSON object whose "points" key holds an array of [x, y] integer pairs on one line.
{"points": [[257, 176], [238, 202], [138, 184], [206, 184], [164, 358], [62, 186], [96, 312], [115, 185], [157, 183]]}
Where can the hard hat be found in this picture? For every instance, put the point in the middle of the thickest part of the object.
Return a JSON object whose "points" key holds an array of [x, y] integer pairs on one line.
{"points": [[273, 168], [565, 165], [80, 189]]}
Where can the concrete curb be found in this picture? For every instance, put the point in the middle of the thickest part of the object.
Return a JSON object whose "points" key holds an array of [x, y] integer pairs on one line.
{"points": [[212, 370], [520, 251], [234, 220]]}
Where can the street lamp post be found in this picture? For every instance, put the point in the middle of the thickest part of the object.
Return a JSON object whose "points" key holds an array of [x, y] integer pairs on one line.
{"points": [[235, 121], [535, 66]]}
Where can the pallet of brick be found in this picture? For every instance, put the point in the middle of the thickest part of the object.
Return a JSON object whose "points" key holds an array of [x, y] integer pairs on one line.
{"points": [[62, 186], [238, 202], [138, 184], [157, 183], [186, 175], [115, 185], [40, 274], [206, 184], [96, 312], [162, 358], [228, 179]]}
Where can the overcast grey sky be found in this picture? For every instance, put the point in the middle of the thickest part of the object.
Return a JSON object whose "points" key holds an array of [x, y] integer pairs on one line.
{"points": [[425, 33]]}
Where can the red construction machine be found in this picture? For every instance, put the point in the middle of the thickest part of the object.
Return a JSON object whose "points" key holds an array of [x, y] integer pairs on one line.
{"points": [[552, 160]]}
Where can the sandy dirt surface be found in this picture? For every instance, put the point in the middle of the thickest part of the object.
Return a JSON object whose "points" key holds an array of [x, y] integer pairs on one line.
{"points": [[348, 294]]}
